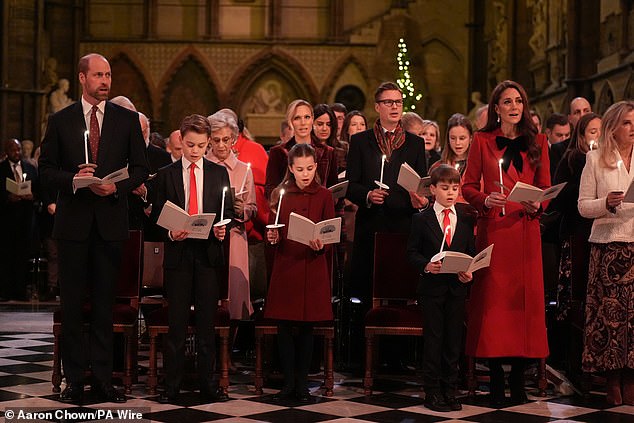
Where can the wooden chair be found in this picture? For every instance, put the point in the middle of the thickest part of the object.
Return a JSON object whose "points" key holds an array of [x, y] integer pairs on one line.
{"points": [[393, 286], [269, 327], [472, 378], [157, 324], [124, 313]]}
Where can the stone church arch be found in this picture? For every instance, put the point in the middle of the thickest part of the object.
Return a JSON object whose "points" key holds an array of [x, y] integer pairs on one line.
{"points": [[628, 94], [606, 98], [128, 80], [347, 84], [188, 89]]}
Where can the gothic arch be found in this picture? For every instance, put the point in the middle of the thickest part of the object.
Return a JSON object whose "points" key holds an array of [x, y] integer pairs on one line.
{"points": [[628, 94], [339, 67], [271, 61], [188, 87], [436, 38], [129, 80], [606, 98]]}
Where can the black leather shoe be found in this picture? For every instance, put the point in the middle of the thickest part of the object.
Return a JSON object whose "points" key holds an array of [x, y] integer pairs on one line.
{"points": [[72, 394], [166, 398], [211, 396], [519, 397], [453, 403], [107, 393], [436, 402], [284, 395], [303, 396]]}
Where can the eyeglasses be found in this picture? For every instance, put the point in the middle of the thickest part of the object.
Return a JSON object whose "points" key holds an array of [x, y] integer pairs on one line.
{"points": [[390, 103], [225, 140]]}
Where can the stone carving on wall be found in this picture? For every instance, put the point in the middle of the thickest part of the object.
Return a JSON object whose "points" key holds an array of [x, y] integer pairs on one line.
{"points": [[59, 97], [268, 98], [265, 105], [498, 46], [537, 41]]}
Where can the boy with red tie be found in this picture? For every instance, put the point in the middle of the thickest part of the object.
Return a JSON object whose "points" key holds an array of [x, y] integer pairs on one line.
{"points": [[192, 265], [442, 296]]}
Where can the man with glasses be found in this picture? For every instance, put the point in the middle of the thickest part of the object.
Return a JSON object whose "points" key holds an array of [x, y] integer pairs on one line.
{"points": [[389, 207]]}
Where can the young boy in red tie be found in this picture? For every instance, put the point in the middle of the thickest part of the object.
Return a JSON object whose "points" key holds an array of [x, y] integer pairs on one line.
{"points": [[442, 296], [192, 266]]}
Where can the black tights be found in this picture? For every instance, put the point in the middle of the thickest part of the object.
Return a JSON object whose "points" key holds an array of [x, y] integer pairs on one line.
{"points": [[295, 354], [516, 378]]}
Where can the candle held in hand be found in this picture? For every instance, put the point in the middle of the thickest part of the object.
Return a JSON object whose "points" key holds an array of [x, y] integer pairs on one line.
{"points": [[500, 163], [222, 206], [86, 146], [244, 180], [382, 165], [279, 205]]}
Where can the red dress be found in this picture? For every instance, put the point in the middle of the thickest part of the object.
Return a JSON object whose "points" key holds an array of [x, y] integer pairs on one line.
{"points": [[300, 280], [506, 313]]}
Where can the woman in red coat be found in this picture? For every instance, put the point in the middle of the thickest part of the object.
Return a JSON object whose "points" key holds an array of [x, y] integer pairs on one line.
{"points": [[506, 309], [299, 294]]}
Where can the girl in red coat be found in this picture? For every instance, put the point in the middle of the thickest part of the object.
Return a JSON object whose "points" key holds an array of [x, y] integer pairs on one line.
{"points": [[299, 294], [506, 308]]}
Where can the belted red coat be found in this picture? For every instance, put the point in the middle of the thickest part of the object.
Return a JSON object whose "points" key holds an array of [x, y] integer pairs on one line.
{"points": [[300, 280]]}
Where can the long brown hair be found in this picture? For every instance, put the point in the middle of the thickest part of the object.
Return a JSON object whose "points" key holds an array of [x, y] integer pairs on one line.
{"points": [[457, 119], [298, 150], [525, 126], [578, 144]]}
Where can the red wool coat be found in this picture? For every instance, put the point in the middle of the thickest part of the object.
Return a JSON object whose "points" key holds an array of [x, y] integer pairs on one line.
{"points": [[300, 280], [506, 314]]}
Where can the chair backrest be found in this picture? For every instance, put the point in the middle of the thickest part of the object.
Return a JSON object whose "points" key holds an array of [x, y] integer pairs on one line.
{"points": [[394, 277], [153, 254], [129, 279]]}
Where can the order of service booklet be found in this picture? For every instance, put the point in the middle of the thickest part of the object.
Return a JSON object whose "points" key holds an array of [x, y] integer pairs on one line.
{"points": [[114, 177], [339, 190], [526, 192], [454, 262], [173, 218], [409, 179], [303, 230], [18, 188]]}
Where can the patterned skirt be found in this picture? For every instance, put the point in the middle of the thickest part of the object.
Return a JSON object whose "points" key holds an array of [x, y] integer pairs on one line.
{"points": [[609, 330]]}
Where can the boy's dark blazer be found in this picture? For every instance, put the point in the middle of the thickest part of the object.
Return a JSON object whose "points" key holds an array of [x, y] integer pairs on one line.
{"points": [[169, 186], [424, 242]]}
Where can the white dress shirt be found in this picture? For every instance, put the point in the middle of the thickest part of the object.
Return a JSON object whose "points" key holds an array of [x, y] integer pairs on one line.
{"points": [[453, 218], [87, 109], [198, 173]]}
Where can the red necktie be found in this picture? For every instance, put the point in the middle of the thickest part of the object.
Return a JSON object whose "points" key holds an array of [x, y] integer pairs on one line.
{"points": [[93, 135], [446, 226], [193, 195]]}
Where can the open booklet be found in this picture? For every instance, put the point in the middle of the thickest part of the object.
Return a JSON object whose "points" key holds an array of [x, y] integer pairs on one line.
{"points": [[409, 179], [339, 190], [526, 192], [303, 230], [629, 194], [173, 218], [114, 177], [454, 262], [18, 188]]}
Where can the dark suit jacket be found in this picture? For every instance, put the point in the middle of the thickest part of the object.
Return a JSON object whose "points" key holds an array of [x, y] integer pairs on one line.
{"points": [[555, 153], [7, 172], [168, 185], [121, 144], [364, 167], [424, 242]]}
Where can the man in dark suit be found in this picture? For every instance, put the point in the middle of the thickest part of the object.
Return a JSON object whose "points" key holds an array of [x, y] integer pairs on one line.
{"points": [[16, 222], [91, 223], [192, 266], [442, 296], [381, 209]]}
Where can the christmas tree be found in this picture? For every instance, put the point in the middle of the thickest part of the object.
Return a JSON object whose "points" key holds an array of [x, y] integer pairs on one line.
{"points": [[404, 80]]}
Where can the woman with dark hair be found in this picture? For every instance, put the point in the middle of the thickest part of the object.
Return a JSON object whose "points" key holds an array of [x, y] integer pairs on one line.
{"points": [[609, 337], [325, 125], [354, 122], [574, 230], [300, 116], [299, 294], [506, 309]]}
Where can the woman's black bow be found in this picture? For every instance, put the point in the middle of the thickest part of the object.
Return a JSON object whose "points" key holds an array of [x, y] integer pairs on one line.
{"points": [[512, 153]]}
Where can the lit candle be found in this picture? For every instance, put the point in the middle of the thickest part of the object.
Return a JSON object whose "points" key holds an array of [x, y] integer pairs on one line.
{"points": [[442, 244], [244, 180], [86, 146], [222, 206], [500, 162], [592, 143], [23, 177], [382, 165], [279, 205]]}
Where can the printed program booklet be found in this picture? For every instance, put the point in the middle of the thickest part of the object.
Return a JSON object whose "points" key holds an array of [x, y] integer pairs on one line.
{"points": [[18, 188], [173, 218], [339, 190], [526, 192], [303, 230], [411, 181], [114, 177], [454, 262]]}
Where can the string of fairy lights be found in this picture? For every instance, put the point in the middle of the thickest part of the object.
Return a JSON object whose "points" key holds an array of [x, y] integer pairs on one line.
{"points": [[404, 81]]}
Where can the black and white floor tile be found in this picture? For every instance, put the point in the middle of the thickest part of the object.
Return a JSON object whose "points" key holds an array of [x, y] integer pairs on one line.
{"points": [[25, 382]]}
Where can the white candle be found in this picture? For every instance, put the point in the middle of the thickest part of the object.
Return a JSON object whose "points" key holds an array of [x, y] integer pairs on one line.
{"points": [[222, 206], [619, 164], [442, 244], [86, 146], [592, 145], [382, 164], [500, 162], [244, 180], [23, 177], [279, 205]]}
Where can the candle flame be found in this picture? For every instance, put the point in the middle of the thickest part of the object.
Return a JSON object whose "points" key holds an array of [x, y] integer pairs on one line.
{"points": [[281, 192], [501, 161], [384, 157], [224, 189], [619, 164], [86, 133]]}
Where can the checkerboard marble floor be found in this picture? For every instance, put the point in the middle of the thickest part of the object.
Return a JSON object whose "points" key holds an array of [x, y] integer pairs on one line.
{"points": [[25, 374]]}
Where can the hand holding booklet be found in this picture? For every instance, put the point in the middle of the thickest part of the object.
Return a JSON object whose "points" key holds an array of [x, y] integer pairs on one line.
{"points": [[526, 192], [454, 262], [412, 182], [303, 230], [18, 188], [173, 218], [114, 177]]}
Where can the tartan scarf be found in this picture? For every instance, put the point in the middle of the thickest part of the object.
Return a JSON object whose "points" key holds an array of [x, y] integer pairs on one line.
{"points": [[389, 144]]}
